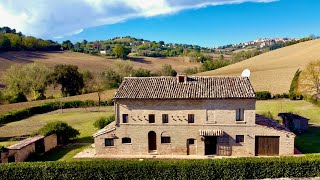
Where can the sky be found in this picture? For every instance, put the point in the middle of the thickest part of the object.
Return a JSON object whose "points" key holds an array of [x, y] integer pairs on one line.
{"points": [[206, 23]]}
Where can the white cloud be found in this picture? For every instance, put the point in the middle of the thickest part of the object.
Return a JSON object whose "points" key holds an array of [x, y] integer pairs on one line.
{"points": [[58, 18]]}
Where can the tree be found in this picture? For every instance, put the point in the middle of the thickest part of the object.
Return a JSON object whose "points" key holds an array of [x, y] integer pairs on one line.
{"points": [[30, 43], [293, 94], [36, 75], [15, 41], [69, 78], [16, 86], [5, 44], [167, 70], [63, 131], [67, 45], [120, 51], [309, 81], [161, 42]]}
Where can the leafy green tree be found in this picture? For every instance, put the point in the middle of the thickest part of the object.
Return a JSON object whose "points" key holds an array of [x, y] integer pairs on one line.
{"points": [[103, 121], [120, 51], [36, 75], [293, 94], [5, 44], [67, 45], [209, 65], [30, 43], [69, 78], [167, 70], [112, 78], [190, 70], [161, 42], [63, 131], [15, 41], [16, 86], [309, 80], [141, 73]]}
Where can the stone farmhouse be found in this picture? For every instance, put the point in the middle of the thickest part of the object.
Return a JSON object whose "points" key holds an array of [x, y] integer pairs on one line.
{"points": [[190, 115]]}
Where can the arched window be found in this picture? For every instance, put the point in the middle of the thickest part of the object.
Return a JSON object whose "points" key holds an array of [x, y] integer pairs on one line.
{"points": [[165, 138], [126, 140]]}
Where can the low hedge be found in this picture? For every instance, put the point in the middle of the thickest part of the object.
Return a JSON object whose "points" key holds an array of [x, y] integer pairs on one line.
{"points": [[47, 107], [263, 95], [239, 168]]}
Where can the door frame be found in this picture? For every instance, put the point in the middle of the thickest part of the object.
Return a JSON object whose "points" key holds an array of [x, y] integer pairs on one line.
{"points": [[256, 146], [152, 141], [215, 144]]}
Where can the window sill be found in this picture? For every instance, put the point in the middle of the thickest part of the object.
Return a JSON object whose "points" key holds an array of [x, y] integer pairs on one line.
{"points": [[127, 143], [241, 122], [110, 146], [165, 143]]}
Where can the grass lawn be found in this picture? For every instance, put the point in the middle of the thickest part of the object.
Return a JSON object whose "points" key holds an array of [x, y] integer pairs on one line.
{"points": [[303, 108], [65, 153], [81, 119], [308, 142]]}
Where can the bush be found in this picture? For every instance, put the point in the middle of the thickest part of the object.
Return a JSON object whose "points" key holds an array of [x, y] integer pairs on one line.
{"points": [[263, 95], [190, 70], [63, 131], [229, 168], [47, 107], [20, 97], [267, 114], [103, 121]]}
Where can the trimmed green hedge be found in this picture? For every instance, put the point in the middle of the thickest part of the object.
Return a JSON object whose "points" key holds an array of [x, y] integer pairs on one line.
{"points": [[263, 95], [47, 107], [239, 168]]}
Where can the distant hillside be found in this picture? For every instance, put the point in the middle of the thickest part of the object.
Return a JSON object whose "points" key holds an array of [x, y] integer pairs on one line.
{"points": [[88, 62], [273, 71]]}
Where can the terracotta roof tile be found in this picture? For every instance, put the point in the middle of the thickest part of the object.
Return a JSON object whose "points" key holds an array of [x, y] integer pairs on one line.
{"points": [[25, 142], [196, 87]]}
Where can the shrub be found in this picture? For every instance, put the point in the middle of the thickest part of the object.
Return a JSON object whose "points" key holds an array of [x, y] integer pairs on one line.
{"points": [[263, 95], [20, 97], [190, 70], [277, 96], [103, 121], [267, 114], [237, 168], [62, 129], [167, 70]]}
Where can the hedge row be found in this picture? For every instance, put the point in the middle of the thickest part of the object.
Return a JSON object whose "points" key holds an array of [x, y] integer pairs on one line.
{"points": [[47, 107], [240, 168]]}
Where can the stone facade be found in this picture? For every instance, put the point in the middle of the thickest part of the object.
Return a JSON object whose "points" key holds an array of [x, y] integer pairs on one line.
{"points": [[22, 150], [209, 114]]}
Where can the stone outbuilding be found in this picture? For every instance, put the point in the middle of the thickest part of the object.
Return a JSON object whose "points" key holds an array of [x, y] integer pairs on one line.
{"points": [[190, 115], [22, 150], [294, 122]]}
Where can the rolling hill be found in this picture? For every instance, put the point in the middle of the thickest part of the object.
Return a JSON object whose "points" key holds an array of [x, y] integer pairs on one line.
{"points": [[273, 71], [89, 62]]}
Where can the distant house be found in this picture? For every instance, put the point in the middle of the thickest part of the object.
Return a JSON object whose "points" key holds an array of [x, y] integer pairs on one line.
{"points": [[22, 150], [103, 52], [294, 122], [190, 115]]}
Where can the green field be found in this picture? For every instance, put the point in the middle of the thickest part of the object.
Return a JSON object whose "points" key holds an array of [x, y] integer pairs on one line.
{"points": [[81, 119]]}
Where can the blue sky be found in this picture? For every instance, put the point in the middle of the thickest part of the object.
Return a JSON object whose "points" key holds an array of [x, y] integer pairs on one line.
{"points": [[190, 23]]}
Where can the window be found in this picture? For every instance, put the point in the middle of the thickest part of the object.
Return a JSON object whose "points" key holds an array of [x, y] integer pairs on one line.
{"points": [[151, 118], [125, 118], [190, 141], [190, 118], [126, 140], [240, 115], [165, 140], [165, 118], [239, 138], [109, 142]]}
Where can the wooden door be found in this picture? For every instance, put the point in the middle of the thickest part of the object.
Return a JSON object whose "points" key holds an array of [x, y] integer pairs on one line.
{"points": [[210, 143], [267, 146], [152, 141]]}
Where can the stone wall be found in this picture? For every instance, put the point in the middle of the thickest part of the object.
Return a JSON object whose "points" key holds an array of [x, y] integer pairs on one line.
{"points": [[50, 142], [209, 115]]}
